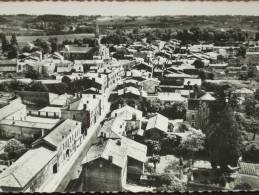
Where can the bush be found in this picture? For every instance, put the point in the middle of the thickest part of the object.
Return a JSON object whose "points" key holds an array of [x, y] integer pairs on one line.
{"points": [[243, 186], [13, 145]]}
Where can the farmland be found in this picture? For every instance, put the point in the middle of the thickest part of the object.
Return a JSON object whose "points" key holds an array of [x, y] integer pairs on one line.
{"points": [[59, 37]]}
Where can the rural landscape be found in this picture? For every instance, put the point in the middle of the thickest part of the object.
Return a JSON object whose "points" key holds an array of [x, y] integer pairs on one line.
{"points": [[129, 103]]}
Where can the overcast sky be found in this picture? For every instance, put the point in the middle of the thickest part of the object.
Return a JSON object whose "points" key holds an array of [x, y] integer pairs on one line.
{"points": [[131, 8]]}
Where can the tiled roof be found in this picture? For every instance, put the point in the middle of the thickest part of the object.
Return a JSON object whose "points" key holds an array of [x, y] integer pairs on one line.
{"points": [[207, 97], [135, 150], [159, 122], [172, 97], [113, 128], [20, 173], [20, 123], [55, 137], [127, 109], [104, 150]]}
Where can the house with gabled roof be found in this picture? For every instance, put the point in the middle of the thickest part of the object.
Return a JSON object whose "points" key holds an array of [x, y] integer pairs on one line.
{"points": [[30, 171], [105, 167], [157, 127], [127, 113]]}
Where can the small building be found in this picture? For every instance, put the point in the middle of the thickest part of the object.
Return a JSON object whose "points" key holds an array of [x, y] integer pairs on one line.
{"points": [[30, 171], [171, 97], [127, 113], [105, 167], [64, 139], [85, 110], [157, 127], [150, 85], [75, 52], [8, 66]]}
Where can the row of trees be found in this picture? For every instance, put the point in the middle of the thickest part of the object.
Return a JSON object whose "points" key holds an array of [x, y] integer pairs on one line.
{"points": [[192, 35], [66, 86], [9, 47]]}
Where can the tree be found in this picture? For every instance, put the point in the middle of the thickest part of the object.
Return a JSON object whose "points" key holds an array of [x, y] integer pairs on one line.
{"points": [[44, 45], [198, 64], [170, 143], [193, 143], [155, 159], [13, 145], [154, 147], [241, 51], [37, 86], [250, 106], [13, 52], [243, 187], [53, 44], [202, 75], [14, 148], [32, 74], [13, 40], [5, 43], [66, 79], [170, 183], [224, 140]]}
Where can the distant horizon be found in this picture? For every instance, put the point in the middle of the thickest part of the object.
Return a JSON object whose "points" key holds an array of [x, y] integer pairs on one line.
{"points": [[155, 8]]}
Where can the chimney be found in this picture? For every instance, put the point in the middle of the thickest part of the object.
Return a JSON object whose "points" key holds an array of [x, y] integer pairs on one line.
{"points": [[196, 95], [136, 106], [84, 108], [118, 142], [94, 96], [110, 159], [119, 105]]}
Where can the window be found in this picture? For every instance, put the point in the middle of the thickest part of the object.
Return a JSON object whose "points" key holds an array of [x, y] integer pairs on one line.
{"points": [[193, 116], [55, 168], [74, 117], [193, 124]]}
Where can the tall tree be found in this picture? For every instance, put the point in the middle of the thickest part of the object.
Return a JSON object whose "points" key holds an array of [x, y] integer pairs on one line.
{"points": [[13, 52], [224, 140], [14, 40], [198, 64], [5, 43]]}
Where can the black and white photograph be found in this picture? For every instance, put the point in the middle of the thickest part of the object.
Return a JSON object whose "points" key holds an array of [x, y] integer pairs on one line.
{"points": [[159, 96]]}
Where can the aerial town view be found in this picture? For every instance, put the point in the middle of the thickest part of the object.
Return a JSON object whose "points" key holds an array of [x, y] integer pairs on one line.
{"points": [[129, 103]]}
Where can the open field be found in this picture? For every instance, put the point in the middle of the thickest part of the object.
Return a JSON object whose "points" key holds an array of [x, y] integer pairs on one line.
{"points": [[60, 37]]}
